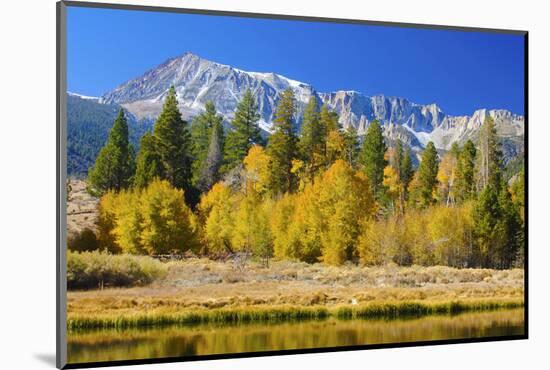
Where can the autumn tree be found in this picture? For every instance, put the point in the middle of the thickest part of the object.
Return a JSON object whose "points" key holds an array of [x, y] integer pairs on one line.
{"points": [[335, 147], [167, 223], [446, 178], [257, 166], [106, 221], [152, 220], [216, 210], [345, 205], [251, 231], [280, 221], [127, 227]]}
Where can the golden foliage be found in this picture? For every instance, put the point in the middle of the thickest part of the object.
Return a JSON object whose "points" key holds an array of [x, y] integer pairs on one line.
{"points": [[257, 169], [154, 220], [216, 209]]}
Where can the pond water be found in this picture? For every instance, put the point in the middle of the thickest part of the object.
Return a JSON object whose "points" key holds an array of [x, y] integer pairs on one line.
{"points": [[112, 345]]}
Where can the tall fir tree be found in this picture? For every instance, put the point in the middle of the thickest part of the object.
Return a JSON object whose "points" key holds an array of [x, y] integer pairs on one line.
{"points": [[401, 163], [312, 139], [406, 171], [201, 130], [486, 214], [210, 171], [489, 165], [245, 133], [351, 146], [148, 162], [465, 168], [427, 175], [511, 225], [114, 165], [282, 145], [172, 143], [372, 157]]}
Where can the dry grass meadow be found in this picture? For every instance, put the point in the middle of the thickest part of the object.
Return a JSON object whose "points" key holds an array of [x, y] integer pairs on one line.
{"points": [[202, 285]]}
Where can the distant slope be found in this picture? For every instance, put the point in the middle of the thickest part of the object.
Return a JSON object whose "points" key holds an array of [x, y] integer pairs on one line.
{"points": [[89, 123]]}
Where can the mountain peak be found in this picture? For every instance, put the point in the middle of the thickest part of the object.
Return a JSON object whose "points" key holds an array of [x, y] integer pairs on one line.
{"points": [[198, 80]]}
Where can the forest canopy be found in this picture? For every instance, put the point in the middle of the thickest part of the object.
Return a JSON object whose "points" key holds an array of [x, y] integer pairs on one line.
{"points": [[320, 194]]}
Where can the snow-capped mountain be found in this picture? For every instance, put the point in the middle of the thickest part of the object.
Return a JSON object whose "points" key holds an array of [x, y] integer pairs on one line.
{"points": [[198, 80]]}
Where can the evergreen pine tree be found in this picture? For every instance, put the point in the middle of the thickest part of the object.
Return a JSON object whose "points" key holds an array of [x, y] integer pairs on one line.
{"points": [[328, 119], [486, 214], [511, 237], [397, 163], [372, 157], [465, 168], [173, 143], [406, 171], [351, 146], [246, 131], [210, 171], [282, 145], [201, 130], [114, 164], [148, 162], [312, 139], [490, 157], [427, 174]]}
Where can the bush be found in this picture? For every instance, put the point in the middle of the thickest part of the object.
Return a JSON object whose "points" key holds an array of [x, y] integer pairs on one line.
{"points": [[82, 241], [98, 269]]}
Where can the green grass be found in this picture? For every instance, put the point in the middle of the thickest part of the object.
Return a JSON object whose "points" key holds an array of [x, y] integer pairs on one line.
{"points": [[283, 313]]}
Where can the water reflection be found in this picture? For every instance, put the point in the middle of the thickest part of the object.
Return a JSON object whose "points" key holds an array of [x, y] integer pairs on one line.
{"points": [[112, 345]]}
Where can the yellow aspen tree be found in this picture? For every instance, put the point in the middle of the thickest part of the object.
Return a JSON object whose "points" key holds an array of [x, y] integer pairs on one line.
{"points": [[257, 170], [281, 218], [216, 211], [167, 223], [346, 204], [446, 177]]}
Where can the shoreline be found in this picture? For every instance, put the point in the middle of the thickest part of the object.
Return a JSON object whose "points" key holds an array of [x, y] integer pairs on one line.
{"points": [[284, 313]]}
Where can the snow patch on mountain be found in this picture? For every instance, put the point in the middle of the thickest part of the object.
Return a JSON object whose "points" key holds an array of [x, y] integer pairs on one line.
{"points": [[423, 137], [198, 81], [86, 97]]}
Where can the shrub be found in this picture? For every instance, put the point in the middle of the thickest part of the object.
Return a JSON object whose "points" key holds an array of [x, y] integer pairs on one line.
{"points": [[84, 240], [87, 270]]}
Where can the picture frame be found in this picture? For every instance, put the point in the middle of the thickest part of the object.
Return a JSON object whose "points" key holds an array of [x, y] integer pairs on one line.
{"points": [[63, 176]]}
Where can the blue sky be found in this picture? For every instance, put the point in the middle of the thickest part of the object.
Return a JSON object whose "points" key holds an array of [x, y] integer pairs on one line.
{"points": [[460, 71]]}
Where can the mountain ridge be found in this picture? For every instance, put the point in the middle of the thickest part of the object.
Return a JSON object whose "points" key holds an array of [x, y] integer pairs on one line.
{"points": [[198, 80]]}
